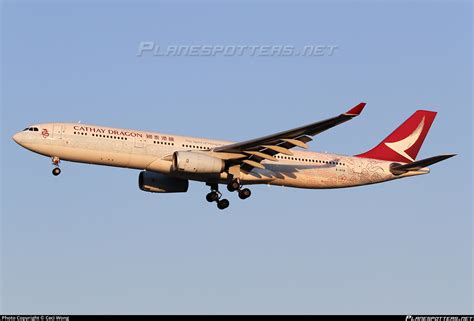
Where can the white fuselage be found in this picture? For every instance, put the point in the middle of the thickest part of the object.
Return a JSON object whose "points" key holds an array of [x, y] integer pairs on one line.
{"points": [[152, 151]]}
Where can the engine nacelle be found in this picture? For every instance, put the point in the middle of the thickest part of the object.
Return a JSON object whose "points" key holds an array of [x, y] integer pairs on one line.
{"points": [[159, 183], [192, 162]]}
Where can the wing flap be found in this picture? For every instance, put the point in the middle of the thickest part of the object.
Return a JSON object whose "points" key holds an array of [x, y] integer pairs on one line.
{"points": [[279, 149], [295, 142], [262, 155], [253, 163]]}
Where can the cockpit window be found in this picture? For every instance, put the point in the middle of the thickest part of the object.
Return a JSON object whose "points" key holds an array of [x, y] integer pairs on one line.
{"points": [[35, 129], [26, 129], [31, 129]]}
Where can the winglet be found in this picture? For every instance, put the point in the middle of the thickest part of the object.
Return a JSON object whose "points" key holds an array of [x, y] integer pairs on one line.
{"points": [[355, 111]]}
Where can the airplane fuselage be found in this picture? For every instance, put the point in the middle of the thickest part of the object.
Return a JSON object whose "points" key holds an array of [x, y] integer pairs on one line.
{"points": [[152, 151]]}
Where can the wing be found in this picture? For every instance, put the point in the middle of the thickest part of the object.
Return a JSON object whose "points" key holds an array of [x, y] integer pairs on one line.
{"points": [[249, 154]]}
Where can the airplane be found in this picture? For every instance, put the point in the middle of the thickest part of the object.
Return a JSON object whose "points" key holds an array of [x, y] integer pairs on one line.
{"points": [[169, 162]]}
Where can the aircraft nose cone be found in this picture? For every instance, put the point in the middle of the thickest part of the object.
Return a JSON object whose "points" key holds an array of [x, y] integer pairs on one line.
{"points": [[16, 138]]}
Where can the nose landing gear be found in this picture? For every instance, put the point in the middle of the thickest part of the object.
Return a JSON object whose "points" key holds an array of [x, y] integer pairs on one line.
{"points": [[56, 169]]}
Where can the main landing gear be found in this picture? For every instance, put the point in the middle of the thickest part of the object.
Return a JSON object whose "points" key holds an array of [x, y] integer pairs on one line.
{"points": [[215, 196], [56, 169], [235, 186]]}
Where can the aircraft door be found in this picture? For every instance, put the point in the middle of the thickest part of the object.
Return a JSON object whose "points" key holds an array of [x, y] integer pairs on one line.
{"points": [[358, 166], [139, 142], [57, 131]]}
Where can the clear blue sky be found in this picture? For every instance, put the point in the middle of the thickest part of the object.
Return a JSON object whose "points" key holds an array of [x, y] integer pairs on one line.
{"points": [[90, 241]]}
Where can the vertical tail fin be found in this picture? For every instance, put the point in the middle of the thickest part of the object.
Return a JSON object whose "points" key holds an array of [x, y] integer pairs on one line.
{"points": [[405, 142]]}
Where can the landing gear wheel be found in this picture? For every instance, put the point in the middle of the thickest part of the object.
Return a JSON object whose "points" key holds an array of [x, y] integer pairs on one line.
{"points": [[223, 204], [244, 193], [233, 186], [212, 197], [56, 171]]}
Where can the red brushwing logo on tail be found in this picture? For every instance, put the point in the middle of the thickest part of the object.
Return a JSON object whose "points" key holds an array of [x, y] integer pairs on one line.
{"points": [[404, 143]]}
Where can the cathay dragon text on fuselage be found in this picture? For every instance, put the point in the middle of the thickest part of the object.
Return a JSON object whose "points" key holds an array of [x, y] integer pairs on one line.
{"points": [[169, 162]]}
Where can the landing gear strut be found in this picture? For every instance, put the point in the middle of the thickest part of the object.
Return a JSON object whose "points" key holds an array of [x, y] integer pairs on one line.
{"points": [[56, 169], [235, 186], [215, 196]]}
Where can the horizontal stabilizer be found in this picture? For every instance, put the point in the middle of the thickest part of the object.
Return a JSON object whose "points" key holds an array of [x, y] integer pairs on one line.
{"points": [[398, 169]]}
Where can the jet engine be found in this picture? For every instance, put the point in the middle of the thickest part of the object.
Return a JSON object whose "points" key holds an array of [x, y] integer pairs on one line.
{"points": [[159, 183], [199, 163]]}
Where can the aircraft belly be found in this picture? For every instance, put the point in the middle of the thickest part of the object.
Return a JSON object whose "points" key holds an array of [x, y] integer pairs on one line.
{"points": [[321, 177], [301, 176]]}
